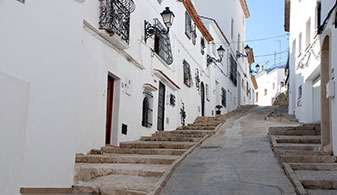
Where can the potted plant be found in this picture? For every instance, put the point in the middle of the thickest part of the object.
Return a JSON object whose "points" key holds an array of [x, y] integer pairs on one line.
{"points": [[218, 111]]}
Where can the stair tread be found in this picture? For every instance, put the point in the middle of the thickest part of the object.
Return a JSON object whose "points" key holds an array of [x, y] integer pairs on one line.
{"points": [[316, 175], [110, 155], [159, 142], [126, 166], [121, 182], [321, 192]]}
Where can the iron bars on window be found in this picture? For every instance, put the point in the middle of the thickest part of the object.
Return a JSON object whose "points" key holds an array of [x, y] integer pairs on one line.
{"points": [[115, 17]]}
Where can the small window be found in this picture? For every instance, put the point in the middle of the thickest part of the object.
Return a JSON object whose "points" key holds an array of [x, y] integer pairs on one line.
{"points": [[223, 98], [282, 84], [187, 74], [300, 91], [188, 25], [172, 100], [207, 92], [273, 85], [300, 43], [202, 45], [308, 31], [257, 96], [265, 92]]}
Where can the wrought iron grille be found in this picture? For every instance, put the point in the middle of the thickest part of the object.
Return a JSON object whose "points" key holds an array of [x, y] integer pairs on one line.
{"points": [[164, 50], [115, 17]]}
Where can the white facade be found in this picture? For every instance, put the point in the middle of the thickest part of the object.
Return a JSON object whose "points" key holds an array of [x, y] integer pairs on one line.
{"points": [[329, 59], [271, 83], [304, 62], [54, 75]]}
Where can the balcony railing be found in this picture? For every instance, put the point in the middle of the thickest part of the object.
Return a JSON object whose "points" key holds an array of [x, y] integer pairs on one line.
{"points": [[115, 17]]}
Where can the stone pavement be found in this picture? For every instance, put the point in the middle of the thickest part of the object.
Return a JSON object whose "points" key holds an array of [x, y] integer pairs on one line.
{"points": [[237, 160]]}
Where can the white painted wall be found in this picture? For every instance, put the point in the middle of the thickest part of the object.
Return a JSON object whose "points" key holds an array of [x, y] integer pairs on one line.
{"points": [[41, 44], [13, 122], [330, 29], [303, 70]]}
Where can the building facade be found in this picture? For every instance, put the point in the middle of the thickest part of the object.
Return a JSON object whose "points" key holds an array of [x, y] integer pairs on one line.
{"points": [[271, 83], [104, 72]]}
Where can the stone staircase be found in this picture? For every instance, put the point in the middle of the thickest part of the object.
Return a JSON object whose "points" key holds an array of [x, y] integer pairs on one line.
{"points": [[144, 166], [299, 149]]}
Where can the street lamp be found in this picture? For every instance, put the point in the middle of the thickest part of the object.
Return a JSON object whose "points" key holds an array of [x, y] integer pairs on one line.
{"points": [[221, 52], [167, 17], [257, 67], [247, 50]]}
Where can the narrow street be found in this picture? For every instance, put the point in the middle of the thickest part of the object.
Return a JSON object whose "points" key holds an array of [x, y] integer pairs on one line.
{"points": [[237, 160]]}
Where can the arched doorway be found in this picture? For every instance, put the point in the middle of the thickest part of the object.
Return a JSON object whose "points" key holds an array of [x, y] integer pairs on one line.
{"points": [[325, 102], [202, 94]]}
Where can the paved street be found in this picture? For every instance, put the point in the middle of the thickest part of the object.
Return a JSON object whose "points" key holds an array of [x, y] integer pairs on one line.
{"points": [[237, 160]]}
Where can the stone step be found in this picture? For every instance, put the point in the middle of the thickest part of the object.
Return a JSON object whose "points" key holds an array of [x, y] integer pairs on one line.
{"points": [[127, 158], [303, 132], [144, 151], [314, 166], [307, 159], [166, 138], [198, 127], [117, 184], [154, 144], [298, 139], [187, 132], [204, 124], [317, 179], [321, 192], [179, 134], [89, 171], [303, 147], [300, 152]]}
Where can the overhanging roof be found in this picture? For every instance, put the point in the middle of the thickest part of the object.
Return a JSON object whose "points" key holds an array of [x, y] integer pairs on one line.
{"points": [[286, 15], [245, 8]]}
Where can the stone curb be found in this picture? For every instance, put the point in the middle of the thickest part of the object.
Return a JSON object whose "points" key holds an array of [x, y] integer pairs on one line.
{"points": [[294, 179]]}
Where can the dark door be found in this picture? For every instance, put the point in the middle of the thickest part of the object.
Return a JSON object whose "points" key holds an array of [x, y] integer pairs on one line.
{"points": [[161, 107], [110, 93], [202, 91]]}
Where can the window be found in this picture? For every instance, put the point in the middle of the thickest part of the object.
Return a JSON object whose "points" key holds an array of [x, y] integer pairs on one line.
{"points": [[257, 97], [247, 88], [282, 84], [207, 92], [300, 92], [273, 85], [115, 17], [147, 110], [162, 44], [233, 71], [308, 28], [239, 42], [187, 74], [223, 97], [318, 15], [265, 92], [300, 44], [202, 45], [172, 100], [243, 83], [188, 25]]}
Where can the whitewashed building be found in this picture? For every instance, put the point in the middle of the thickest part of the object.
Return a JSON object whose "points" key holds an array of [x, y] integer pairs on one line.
{"points": [[80, 77], [271, 83], [301, 21], [328, 31]]}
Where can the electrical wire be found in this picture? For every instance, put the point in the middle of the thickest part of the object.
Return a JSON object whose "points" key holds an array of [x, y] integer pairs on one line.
{"points": [[261, 39], [271, 54]]}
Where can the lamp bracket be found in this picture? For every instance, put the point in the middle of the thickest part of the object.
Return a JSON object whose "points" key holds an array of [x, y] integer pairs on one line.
{"points": [[239, 54], [211, 60], [150, 30]]}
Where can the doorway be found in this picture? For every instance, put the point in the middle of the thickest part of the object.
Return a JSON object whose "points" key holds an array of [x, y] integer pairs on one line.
{"points": [[161, 107], [202, 93], [325, 102], [110, 96], [239, 89]]}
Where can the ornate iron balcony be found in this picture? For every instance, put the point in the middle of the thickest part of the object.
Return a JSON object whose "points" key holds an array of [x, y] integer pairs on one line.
{"points": [[115, 17]]}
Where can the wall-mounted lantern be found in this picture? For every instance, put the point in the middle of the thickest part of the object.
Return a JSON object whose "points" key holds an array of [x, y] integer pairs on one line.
{"points": [[247, 50], [168, 18], [221, 52]]}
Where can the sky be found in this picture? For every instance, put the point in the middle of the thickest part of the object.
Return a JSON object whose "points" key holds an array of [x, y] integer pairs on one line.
{"points": [[267, 20]]}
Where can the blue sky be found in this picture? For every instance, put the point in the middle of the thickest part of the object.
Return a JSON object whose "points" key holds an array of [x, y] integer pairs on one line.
{"points": [[267, 20]]}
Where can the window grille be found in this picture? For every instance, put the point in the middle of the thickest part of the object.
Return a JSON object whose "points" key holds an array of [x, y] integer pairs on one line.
{"points": [[234, 71], [162, 43], [224, 98], [115, 17], [188, 25], [202, 45], [187, 74]]}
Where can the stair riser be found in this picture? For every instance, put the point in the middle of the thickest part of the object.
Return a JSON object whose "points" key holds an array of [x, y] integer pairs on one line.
{"points": [[314, 184], [77, 189], [309, 159], [176, 139], [168, 146], [86, 174], [123, 160], [198, 128], [295, 133], [299, 152], [143, 151], [303, 148], [299, 141]]}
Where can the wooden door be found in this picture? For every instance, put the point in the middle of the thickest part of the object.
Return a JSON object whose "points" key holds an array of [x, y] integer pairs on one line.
{"points": [[110, 93], [161, 107]]}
